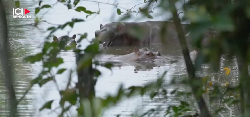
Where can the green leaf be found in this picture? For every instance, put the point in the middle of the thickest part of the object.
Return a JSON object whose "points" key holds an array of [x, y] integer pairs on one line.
{"points": [[17, 4], [69, 95], [40, 3], [37, 9], [64, 25], [223, 22], [82, 37], [46, 6], [47, 105], [184, 103], [46, 47], [108, 65], [125, 17], [149, 16], [77, 20], [60, 71], [119, 11], [76, 2], [248, 12], [93, 48], [175, 109], [51, 28], [79, 9], [80, 110], [44, 81], [34, 58], [69, 6], [37, 20], [35, 81], [174, 91], [96, 72], [57, 62], [153, 94], [71, 24], [62, 0]]}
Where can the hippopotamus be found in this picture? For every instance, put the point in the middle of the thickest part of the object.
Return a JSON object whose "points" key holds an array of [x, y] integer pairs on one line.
{"points": [[138, 56], [137, 33], [149, 34], [145, 55], [65, 40]]}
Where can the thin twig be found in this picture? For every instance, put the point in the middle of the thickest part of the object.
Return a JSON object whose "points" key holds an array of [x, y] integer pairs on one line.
{"points": [[26, 92], [54, 110], [105, 3], [70, 78], [57, 86], [230, 110], [221, 114], [224, 92], [49, 9]]}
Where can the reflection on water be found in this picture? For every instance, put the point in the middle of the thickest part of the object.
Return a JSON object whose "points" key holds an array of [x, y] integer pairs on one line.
{"points": [[25, 40]]}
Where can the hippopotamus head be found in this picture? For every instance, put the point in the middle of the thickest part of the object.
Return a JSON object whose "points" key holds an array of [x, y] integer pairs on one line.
{"points": [[109, 32], [65, 40], [145, 54], [117, 34]]}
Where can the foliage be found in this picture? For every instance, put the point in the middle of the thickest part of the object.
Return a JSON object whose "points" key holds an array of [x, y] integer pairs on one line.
{"points": [[229, 23]]}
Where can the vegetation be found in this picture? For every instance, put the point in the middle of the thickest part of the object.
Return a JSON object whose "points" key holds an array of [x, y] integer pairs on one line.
{"points": [[229, 19]]}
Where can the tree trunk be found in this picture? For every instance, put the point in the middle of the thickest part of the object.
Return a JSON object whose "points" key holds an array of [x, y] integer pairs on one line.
{"points": [[6, 62], [194, 81]]}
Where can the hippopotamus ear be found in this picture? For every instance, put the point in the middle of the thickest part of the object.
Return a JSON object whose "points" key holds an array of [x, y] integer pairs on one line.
{"points": [[74, 36], [101, 26], [136, 51], [55, 38], [119, 27]]}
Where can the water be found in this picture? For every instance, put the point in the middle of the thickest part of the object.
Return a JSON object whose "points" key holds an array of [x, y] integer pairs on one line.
{"points": [[26, 40]]}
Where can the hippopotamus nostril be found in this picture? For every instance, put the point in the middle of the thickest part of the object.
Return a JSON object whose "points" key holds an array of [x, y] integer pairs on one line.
{"points": [[96, 34], [158, 54]]}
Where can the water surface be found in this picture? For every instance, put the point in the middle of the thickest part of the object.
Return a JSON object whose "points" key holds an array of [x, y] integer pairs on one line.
{"points": [[26, 39]]}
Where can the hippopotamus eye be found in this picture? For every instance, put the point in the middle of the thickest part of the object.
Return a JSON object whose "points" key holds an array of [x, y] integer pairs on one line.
{"points": [[149, 54], [158, 54]]}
